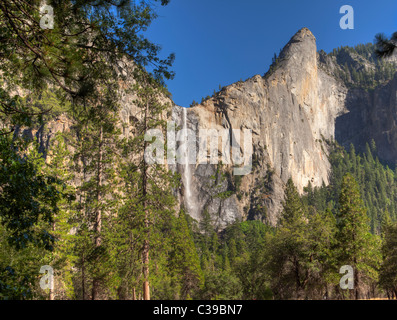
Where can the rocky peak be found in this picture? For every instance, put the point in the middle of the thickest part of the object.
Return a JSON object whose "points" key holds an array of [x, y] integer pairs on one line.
{"points": [[300, 49], [291, 111]]}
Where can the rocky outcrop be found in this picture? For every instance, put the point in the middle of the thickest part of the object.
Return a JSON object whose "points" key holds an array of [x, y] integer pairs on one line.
{"points": [[290, 112], [46, 132]]}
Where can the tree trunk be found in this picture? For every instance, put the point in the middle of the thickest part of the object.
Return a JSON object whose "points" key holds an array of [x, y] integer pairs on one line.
{"points": [[52, 290], [98, 217], [83, 277], [146, 291], [297, 279], [145, 260], [357, 284]]}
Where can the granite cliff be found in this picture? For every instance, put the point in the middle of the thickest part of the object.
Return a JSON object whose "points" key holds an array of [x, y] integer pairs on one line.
{"points": [[306, 99], [293, 110]]}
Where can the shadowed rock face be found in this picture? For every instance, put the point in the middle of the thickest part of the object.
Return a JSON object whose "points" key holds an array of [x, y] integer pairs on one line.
{"points": [[371, 115]]}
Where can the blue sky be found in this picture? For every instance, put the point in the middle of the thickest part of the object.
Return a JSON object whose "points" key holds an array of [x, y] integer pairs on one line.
{"points": [[219, 42]]}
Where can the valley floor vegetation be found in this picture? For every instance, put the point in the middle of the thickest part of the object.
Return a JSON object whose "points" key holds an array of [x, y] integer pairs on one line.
{"points": [[106, 222], [350, 222]]}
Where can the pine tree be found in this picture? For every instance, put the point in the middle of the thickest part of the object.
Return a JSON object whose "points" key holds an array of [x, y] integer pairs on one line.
{"points": [[385, 46], [321, 239], [353, 236], [63, 257], [82, 59], [29, 199], [289, 248], [388, 270], [96, 159], [149, 199], [183, 258]]}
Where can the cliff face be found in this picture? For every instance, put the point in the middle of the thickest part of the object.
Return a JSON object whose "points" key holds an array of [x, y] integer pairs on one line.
{"points": [[298, 105], [305, 99], [371, 115], [290, 112]]}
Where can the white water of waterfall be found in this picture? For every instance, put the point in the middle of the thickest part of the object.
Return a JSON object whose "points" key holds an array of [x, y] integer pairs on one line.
{"points": [[187, 175]]}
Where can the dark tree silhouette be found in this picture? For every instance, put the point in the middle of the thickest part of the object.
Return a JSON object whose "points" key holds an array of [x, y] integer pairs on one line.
{"points": [[384, 46]]}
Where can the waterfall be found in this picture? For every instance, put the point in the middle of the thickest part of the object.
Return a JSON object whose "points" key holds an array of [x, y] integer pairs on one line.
{"points": [[187, 174]]}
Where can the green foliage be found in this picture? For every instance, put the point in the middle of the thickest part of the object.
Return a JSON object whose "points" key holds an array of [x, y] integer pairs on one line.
{"points": [[388, 269], [29, 196], [194, 103], [73, 68], [378, 72], [108, 222], [274, 66], [385, 47], [355, 244], [300, 252], [377, 183], [232, 262]]}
